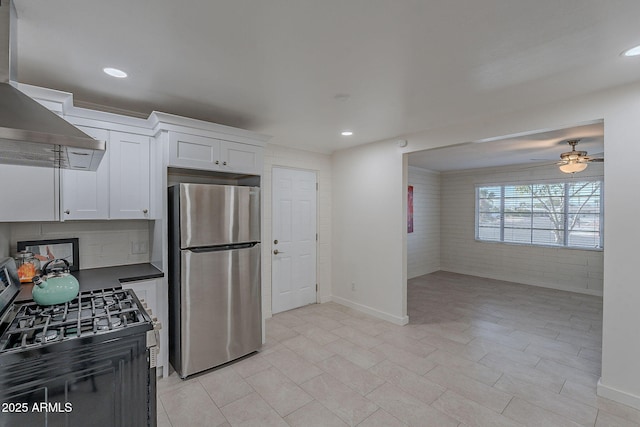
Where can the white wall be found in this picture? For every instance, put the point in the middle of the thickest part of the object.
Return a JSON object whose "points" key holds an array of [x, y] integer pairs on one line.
{"points": [[423, 245], [369, 230], [370, 180], [5, 239], [558, 268], [276, 155], [102, 243]]}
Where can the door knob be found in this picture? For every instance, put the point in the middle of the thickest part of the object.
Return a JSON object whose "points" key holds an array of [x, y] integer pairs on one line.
{"points": [[276, 252], [275, 242]]}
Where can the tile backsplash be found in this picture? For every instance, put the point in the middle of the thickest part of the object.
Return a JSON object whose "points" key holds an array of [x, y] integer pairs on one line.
{"points": [[102, 243]]}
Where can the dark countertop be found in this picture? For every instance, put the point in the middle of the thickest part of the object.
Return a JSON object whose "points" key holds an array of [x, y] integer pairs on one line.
{"points": [[105, 277]]}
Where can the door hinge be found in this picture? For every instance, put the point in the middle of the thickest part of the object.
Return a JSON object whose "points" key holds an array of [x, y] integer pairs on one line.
{"points": [[316, 287], [316, 186], [316, 237]]}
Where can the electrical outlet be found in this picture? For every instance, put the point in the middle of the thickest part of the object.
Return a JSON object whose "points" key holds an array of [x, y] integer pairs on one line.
{"points": [[353, 286]]}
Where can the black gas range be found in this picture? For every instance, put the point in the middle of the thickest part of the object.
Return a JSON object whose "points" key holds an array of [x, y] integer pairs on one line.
{"points": [[90, 361]]}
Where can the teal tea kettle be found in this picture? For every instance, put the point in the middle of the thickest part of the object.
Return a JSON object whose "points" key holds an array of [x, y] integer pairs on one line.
{"points": [[56, 285]]}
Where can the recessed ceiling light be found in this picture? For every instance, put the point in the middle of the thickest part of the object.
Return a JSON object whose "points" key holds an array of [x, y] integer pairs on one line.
{"points": [[634, 51], [346, 133], [114, 72]]}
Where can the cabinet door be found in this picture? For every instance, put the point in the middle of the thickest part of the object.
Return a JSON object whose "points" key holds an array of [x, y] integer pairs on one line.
{"points": [[150, 291], [128, 176], [242, 158], [85, 195], [194, 152], [145, 290], [28, 193]]}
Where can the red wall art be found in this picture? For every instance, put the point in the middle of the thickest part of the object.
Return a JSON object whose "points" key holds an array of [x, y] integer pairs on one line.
{"points": [[410, 210]]}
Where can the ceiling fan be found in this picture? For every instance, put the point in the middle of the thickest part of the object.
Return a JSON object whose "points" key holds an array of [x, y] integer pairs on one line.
{"points": [[575, 161]]}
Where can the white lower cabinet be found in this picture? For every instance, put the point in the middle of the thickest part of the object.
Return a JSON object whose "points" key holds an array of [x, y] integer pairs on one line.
{"points": [[119, 189], [149, 293]]}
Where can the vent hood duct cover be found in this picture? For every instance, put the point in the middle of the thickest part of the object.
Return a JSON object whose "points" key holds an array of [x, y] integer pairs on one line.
{"points": [[30, 134]]}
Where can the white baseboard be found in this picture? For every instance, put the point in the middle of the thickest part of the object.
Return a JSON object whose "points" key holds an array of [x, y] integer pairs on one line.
{"points": [[618, 395], [372, 311], [326, 298], [594, 292]]}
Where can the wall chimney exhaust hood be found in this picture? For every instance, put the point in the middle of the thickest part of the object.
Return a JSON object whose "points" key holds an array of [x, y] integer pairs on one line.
{"points": [[30, 134]]}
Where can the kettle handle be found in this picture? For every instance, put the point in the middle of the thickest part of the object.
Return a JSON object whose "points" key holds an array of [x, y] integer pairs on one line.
{"points": [[66, 263]]}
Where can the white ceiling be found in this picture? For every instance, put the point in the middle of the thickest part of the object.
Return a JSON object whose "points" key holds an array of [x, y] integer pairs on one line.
{"points": [[275, 66], [537, 148]]}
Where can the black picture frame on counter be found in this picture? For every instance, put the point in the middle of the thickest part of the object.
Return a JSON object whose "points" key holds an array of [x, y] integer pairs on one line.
{"points": [[46, 250]]}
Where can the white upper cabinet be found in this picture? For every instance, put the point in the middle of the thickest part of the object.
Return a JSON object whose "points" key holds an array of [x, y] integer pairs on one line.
{"points": [[122, 187], [198, 152], [191, 151], [241, 158], [119, 189], [85, 195], [129, 176], [28, 193]]}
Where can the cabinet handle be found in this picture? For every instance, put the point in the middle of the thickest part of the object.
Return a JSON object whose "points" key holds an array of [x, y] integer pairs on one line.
{"points": [[67, 211], [145, 210]]}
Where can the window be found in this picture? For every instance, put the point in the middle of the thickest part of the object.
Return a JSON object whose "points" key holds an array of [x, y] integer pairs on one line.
{"points": [[549, 214]]}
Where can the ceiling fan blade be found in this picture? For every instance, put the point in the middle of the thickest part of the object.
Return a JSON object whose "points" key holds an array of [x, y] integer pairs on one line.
{"points": [[538, 165], [590, 160]]}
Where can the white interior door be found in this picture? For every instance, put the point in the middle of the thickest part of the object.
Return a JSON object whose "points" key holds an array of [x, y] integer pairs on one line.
{"points": [[293, 248]]}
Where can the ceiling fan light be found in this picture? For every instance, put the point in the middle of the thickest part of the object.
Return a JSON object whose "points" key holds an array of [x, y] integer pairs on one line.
{"points": [[573, 167], [634, 51]]}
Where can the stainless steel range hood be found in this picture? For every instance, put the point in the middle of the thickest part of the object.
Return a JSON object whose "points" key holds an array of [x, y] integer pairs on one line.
{"points": [[30, 134]]}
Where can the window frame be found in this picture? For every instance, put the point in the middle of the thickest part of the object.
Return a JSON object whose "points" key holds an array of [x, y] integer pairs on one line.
{"points": [[566, 214]]}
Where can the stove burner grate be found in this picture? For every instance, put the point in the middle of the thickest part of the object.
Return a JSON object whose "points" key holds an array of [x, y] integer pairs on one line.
{"points": [[47, 336], [91, 313]]}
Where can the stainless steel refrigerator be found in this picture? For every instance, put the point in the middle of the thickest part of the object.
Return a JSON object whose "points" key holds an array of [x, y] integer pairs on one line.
{"points": [[215, 311]]}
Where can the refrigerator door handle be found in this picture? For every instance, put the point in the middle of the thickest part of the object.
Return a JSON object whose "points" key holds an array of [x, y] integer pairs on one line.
{"points": [[222, 247]]}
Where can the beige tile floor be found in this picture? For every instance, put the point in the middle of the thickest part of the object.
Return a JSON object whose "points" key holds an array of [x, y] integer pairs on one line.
{"points": [[477, 352]]}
